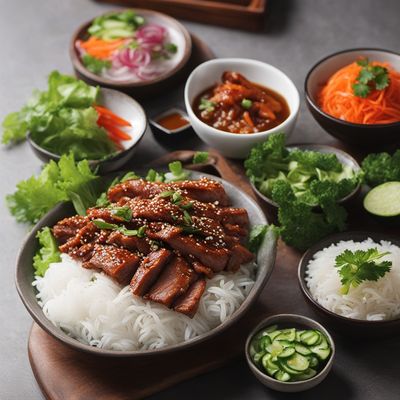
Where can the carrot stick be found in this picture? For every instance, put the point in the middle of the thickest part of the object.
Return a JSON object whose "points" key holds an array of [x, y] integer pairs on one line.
{"points": [[106, 113], [121, 135], [247, 118]]}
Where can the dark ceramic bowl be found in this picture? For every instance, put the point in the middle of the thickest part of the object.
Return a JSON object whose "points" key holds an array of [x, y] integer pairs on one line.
{"points": [[179, 35], [343, 157], [380, 135], [127, 108], [290, 321], [24, 277], [350, 326]]}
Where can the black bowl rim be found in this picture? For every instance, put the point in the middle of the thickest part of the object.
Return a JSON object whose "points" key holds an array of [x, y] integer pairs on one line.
{"points": [[112, 157], [77, 63], [75, 344], [330, 117], [335, 238], [325, 146], [287, 319]]}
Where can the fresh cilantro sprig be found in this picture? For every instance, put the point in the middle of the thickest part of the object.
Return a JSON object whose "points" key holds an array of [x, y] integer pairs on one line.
{"points": [[356, 267], [370, 77]]}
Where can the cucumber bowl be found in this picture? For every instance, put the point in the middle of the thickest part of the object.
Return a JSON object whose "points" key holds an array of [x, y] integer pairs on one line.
{"points": [[290, 353]]}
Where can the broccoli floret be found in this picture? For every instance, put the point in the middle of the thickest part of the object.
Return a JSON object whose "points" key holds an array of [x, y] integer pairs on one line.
{"points": [[301, 225], [380, 168], [266, 159], [315, 159]]}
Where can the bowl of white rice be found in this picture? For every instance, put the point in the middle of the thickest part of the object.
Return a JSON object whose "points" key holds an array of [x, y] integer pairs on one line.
{"points": [[372, 307], [89, 311]]}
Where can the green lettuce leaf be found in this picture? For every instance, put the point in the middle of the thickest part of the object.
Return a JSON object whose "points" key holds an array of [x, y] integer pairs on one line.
{"points": [[48, 252]]}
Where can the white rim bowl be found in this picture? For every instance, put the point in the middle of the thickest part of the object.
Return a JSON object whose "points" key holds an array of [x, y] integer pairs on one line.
{"points": [[237, 145]]}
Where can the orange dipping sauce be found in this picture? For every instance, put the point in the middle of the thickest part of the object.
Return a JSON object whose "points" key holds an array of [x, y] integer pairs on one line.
{"points": [[173, 121]]}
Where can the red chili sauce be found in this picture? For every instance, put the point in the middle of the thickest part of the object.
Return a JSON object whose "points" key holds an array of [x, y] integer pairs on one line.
{"points": [[173, 121], [239, 106]]}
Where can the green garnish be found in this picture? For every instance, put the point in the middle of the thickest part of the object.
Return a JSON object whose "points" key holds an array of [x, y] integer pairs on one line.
{"points": [[371, 77], [48, 252], [124, 213], [289, 354], [94, 64], [57, 182], [246, 103], [171, 47], [206, 105], [116, 25], [298, 181], [256, 236], [200, 157], [381, 168], [61, 119], [356, 267], [177, 173], [101, 224]]}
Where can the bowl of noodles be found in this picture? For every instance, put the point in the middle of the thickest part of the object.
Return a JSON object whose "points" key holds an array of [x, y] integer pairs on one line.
{"points": [[355, 96]]}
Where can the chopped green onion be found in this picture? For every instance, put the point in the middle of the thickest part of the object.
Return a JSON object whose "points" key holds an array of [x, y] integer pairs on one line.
{"points": [[200, 157], [246, 103]]}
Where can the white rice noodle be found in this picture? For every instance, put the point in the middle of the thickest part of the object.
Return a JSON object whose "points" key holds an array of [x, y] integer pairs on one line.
{"points": [[95, 310], [371, 300]]}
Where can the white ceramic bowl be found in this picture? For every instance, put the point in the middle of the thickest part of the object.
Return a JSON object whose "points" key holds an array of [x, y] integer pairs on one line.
{"points": [[232, 144]]}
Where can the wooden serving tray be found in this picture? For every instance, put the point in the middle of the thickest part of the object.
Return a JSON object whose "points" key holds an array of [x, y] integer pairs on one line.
{"points": [[242, 14]]}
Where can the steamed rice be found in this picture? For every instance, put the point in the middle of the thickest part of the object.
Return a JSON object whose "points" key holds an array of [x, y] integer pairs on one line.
{"points": [[372, 301], [94, 309]]}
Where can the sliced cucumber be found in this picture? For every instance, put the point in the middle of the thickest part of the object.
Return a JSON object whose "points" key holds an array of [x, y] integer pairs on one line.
{"points": [[270, 329], [313, 361], [286, 343], [310, 337], [282, 376], [258, 357], [285, 367], [273, 335], [274, 348], [305, 351], [322, 354], [289, 351], [383, 200], [308, 374], [112, 23], [269, 365], [264, 342], [287, 334], [298, 362]]}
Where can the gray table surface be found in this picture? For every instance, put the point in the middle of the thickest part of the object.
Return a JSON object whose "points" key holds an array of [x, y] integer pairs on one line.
{"points": [[35, 38]]}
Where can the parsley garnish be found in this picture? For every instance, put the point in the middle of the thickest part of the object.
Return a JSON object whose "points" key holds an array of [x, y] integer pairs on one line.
{"points": [[358, 266], [95, 65], [370, 77]]}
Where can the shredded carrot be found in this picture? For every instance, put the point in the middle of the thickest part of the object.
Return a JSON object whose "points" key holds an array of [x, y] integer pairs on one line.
{"points": [[100, 48], [107, 114], [380, 107]]}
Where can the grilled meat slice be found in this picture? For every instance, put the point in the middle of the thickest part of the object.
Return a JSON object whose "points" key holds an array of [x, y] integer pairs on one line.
{"points": [[174, 281], [239, 255], [68, 227], [201, 269], [234, 216], [132, 243], [88, 234], [204, 190], [213, 257], [189, 302], [118, 263], [148, 271]]}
